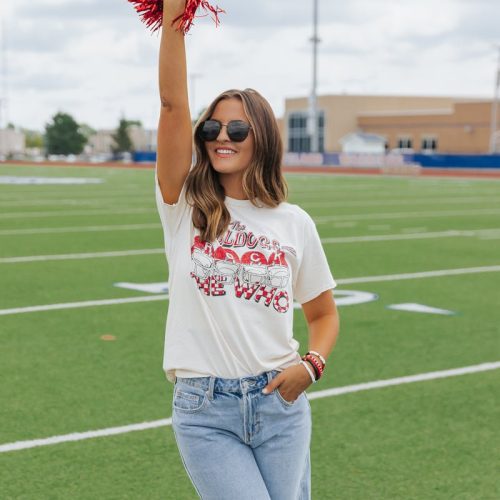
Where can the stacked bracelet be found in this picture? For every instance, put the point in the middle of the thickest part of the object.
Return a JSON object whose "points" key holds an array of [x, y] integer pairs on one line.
{"points": [[319, 356], [317, 365]]}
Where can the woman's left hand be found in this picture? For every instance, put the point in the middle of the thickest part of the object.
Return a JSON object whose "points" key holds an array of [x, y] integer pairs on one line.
{"points": [[291, 382]]}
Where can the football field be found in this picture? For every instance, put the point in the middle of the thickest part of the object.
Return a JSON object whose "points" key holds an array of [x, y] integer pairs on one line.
{"points": [[408, 407]]}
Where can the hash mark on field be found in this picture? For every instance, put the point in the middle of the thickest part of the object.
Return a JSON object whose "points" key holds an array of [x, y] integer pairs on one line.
{"points": [[336, 391]]}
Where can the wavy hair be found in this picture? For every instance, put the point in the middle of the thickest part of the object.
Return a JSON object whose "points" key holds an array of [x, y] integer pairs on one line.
{"points": [[263, 180]]}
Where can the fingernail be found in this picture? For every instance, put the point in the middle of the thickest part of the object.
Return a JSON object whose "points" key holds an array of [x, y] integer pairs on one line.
{"points": [[265, 391]]}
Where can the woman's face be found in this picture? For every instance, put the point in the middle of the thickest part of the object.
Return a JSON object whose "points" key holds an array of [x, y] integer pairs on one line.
{"points": [[229, 157]]}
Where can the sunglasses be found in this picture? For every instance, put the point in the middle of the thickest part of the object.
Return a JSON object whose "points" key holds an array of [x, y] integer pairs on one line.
{"points": [[237, 130]]}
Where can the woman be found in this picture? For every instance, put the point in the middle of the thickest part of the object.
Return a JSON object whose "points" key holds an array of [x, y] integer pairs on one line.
{"points": [[238, 256]]}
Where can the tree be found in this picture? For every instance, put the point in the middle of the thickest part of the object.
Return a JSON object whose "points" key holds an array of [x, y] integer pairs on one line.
{"points": [[121, 137], [33, 138], [63, 135], [87, 131]]}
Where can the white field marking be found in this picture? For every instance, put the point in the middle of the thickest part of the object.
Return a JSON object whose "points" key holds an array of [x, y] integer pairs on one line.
{"points": [[423, 274], [480, 233], [339, 202], [53, 213], [88, 303], [420, 308], [402, 201], [336, 391], [30, 202], [25, 199], [89, 255], [350, 223], [318, 220], [14, 180], [413, 230], [365, 279], [79, 229], [405, 215], [452, 233]]}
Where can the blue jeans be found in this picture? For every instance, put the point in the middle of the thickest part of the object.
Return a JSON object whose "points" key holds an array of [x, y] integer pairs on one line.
{"points": [[237, 443]]}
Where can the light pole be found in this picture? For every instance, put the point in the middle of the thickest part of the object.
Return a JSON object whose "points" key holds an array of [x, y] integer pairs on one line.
{"points": [[4, 111], [312, 122], [192, 78], [494, 107]]}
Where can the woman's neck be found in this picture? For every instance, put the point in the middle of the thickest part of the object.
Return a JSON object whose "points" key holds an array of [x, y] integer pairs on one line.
{"points": [[232, 186]]}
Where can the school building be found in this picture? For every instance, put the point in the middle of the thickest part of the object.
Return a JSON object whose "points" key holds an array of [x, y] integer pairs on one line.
{"points": [[418, 123]]}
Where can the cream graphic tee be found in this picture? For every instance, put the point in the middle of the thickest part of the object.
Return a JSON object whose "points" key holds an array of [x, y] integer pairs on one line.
{"points": [[231, 301]]}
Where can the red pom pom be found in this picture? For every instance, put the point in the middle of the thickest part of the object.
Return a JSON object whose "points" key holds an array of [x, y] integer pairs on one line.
{"points": [[151, 12]]}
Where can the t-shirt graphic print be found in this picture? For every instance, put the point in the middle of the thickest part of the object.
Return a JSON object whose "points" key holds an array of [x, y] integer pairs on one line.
{"points": [[252, 267]]}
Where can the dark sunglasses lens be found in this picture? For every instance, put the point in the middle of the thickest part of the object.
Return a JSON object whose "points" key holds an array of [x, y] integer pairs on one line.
{"points": [[237, 130], [210, 129]]}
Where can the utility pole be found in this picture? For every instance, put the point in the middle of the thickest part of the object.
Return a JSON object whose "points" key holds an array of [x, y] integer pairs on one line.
{"points": [[312, 122], [192, 79], [494, 107], [4, 111]]}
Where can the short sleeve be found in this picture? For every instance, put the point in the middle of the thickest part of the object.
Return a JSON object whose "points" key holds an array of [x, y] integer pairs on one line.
{"points": [[314, 275], [171, 215]]}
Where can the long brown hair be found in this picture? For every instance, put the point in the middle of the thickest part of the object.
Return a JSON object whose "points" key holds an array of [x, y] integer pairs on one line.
{"points": [[263, 180]]}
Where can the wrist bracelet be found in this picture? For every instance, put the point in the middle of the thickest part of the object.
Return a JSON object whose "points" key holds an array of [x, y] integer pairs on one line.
{"points": [[318, 368], [319, 356], [309, 371]]}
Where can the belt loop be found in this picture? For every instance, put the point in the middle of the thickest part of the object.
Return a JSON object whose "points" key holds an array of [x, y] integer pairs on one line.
{"points": [[211, 385], [269, 376]]}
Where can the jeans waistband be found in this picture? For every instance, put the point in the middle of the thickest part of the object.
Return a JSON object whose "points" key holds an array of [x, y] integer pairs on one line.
{"points": [[237, 385]]}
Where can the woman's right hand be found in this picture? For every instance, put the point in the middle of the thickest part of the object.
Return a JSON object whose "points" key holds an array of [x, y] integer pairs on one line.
{"points": [[173, 7]]}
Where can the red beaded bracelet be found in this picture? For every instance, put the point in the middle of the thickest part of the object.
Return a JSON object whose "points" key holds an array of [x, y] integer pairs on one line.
{"points": [[316, 363], [318, 368]]}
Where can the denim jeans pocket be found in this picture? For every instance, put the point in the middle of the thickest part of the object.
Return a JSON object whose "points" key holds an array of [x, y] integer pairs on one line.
{"points": [[282, 400], [189, 399]]}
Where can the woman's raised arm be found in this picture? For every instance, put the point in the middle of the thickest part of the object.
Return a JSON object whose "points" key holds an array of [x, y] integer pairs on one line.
{"points": [[174, 150]]}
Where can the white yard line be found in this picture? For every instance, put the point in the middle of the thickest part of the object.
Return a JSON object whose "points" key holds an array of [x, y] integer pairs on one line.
{"points": [[88, 255], [79, 229], [336, 391], [405, 215], [61, 201], [318, 220], [68, 213], [337, 203], [452, 233], [423, 274], [482, 233], [344, 281], [402, 201], [87, 303]]}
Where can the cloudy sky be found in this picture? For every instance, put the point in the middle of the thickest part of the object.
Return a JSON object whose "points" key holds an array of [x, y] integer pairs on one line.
{"points": [[96, 60]]}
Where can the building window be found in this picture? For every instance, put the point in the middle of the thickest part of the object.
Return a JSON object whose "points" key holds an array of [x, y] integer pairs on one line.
{"points": [[429, 143], [405, 142], [299, 140]]}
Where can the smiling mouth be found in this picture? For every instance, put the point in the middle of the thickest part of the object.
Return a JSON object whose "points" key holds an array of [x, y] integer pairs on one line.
{"points": [[224, 152]]}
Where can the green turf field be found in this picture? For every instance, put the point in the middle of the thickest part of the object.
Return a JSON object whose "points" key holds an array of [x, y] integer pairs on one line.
{"points": [[434, 439]]}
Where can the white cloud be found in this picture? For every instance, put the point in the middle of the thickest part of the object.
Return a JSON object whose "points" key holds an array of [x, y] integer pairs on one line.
{"points": [[96, 60]]}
